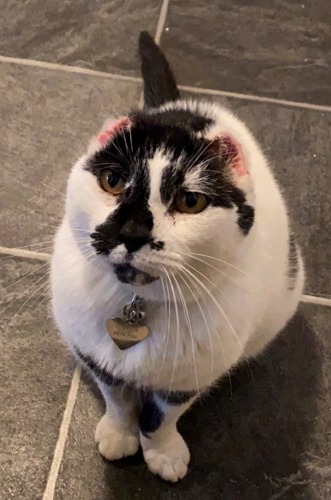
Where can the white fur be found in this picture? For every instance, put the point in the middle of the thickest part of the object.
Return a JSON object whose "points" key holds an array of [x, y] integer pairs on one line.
{"points": [[167, 454], [117, 433], [252, 301]]}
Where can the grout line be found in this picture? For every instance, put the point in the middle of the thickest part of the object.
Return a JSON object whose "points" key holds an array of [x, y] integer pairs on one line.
{"points": [[313, 299], [135, 79], [250, 97], [28, 254], [161, 22], [63, 434], [67, 68], [157, 37]]}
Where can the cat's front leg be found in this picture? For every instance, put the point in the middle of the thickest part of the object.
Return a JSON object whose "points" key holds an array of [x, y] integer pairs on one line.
{"points": [[117, 433], [165, 451]]}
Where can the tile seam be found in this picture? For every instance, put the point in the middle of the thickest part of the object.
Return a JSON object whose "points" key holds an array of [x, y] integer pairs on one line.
{"points": [[256, 98], [26, 254], [67, 68], [161, 21], [134, 79], [157, 37], [316, 299], [62, 437]]}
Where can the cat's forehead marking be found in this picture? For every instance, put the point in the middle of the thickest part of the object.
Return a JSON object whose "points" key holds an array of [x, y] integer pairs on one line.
{"points": [[157, 164], [192, 179]]}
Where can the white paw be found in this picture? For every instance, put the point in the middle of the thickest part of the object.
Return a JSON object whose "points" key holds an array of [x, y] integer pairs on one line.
{"points": [[115, 441], [168, 458]]}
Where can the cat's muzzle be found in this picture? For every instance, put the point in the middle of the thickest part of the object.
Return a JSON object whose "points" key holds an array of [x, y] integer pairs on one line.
{"points": [[128, 274]]}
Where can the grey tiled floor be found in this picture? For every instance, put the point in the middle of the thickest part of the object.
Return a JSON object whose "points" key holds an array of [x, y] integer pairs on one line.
{"points": [[271, 438], [278, 49]]}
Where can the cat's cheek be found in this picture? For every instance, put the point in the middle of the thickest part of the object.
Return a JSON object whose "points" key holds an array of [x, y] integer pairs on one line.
{"points": [[190, 230]]}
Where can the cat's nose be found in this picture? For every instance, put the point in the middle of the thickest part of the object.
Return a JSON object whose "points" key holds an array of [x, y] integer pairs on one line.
{"points": [[134, 235]]}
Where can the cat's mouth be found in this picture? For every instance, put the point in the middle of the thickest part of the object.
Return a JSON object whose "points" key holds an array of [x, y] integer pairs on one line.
{"points": [[126, 273]]}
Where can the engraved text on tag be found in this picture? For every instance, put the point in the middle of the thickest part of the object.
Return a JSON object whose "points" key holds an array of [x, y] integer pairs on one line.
{"points": [[126, 334]]}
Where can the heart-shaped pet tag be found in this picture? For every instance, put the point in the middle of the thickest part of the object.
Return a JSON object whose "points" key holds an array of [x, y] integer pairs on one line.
{"points": [[126, 334]]}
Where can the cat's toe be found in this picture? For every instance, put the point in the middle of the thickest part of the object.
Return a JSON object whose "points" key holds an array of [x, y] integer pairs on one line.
{"points": [[114, 440], [168, 460]]}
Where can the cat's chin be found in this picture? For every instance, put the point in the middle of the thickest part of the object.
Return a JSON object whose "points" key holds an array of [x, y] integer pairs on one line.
{"points": [[130, 275]]}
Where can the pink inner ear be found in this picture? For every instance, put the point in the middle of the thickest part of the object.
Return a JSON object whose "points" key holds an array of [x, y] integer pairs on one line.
{"points": [[115, 128], [232, 151]]}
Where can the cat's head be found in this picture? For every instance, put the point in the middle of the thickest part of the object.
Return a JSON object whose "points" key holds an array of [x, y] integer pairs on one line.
{"points": [[159, 188]]}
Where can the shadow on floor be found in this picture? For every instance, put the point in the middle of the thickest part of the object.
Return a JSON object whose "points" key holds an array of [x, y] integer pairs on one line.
{"points": [[248, 444]]}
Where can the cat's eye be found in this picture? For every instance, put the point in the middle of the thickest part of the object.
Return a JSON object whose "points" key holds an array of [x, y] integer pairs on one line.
{"points": [[111, 182], [188, 202]]}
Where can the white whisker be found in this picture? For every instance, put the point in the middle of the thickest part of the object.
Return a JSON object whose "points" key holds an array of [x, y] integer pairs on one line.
{"points": [[28, 299], [206, 323], [53, 189], [189, 324], [130, 135], [167, 314], [220, 308], [177, 333], [196, 284], [28, 274], [23, 293], [227, 264], [219, 270]]}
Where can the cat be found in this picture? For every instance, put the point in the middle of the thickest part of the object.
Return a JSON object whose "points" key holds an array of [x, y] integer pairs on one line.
{"points": [[174, 210]]}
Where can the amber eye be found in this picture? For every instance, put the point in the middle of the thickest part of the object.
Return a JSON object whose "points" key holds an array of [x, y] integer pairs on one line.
{"points": [[111, 182], [190, 203]]}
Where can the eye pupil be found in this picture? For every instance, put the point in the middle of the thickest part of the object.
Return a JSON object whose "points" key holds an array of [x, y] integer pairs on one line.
{"points": [[188, 202], [113, 180], [191, 199]]}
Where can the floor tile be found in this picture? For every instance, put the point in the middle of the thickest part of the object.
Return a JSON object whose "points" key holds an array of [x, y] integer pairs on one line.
{"points": [[96, 34], [270, 437], [297, 143], [51, 117], [35, 374], [275, 49]]}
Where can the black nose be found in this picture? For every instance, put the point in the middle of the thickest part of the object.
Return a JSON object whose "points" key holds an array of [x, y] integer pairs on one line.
{"points": [[134, 235]]}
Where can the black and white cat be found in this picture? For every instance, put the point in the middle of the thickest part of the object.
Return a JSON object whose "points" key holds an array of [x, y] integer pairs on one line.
{"points": [[177, 205]]}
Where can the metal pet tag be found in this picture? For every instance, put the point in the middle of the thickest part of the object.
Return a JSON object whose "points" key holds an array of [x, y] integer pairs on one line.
{"points": [[124, 334], [128, 331]]}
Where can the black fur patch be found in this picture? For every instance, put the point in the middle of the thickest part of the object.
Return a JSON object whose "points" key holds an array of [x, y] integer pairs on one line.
{"points": [[129, 151], [246, 218], [293, 262], [222, 193], [99, 372], [176, 397], [129, 274], [150, 418], [157, 130], [183, 118], [126, 225], [157, 245], [132, 222]]}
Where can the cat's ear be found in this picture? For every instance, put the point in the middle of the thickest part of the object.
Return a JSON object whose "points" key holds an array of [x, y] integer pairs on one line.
{"points": [[231, 152], [110, 128]]}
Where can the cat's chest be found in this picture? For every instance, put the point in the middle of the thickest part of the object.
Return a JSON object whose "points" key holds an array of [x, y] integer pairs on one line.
{"points": [[180, 339], [172, 332]]}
